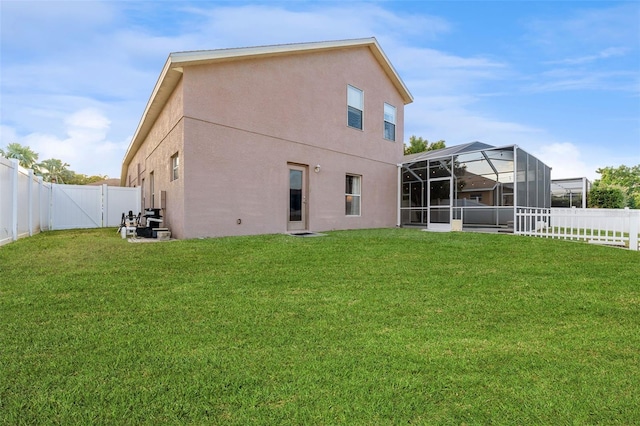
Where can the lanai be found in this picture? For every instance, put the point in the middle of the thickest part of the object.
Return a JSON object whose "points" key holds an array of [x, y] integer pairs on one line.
{"points": [[472, 185]]}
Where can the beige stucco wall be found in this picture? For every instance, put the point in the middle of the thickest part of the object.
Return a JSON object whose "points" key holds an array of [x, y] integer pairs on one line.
{"points": [[246, 120], [250, 183], [164, 140], [300, 98]]}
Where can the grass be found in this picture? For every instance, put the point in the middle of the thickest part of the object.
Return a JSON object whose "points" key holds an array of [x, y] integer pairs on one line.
{"points": [[390, 326]]}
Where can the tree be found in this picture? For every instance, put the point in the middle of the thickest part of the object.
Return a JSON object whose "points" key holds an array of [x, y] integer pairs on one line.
{"points": [[25, 155], [54, 170], [417, 144], [80, 179], [613, 179], [51, 170], [606, 197]]}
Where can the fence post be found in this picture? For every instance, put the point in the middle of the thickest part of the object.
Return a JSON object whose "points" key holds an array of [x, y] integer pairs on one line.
{"points": [[50, 211], [14, 199], [30, 202], [633, 230], [105, 204], [40, 207]]}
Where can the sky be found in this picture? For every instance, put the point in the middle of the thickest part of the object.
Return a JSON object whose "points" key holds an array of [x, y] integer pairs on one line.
{"points": [[561, 79]]}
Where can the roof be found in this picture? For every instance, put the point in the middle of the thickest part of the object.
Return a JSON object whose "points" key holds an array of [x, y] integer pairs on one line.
{"points": [[446, 152], [108, 182], [173, 67]]}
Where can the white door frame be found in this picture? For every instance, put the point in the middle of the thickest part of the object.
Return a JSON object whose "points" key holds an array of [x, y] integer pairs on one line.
{"points": [[298, 217]]}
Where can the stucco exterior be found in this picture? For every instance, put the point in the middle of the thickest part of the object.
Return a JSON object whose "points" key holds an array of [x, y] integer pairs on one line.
{"points": [[239, 122]]}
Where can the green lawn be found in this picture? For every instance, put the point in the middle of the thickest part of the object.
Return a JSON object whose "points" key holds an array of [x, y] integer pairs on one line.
{"points": [[391, 326]]}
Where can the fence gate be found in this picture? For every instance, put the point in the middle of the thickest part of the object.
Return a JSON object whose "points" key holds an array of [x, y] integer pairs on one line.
{"points": [[28, 205], [86, 206], [76, 206]]}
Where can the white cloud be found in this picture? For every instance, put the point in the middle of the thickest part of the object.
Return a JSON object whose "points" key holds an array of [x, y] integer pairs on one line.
{"points": [[88, 125], [81, 100], [456, 123], [565, 160], [441, 70], [580, 79], [43, 25], [588, 26], [596, 48], [86, 147], [74, 101], [603, 54], [7, 135], [243, 25]]}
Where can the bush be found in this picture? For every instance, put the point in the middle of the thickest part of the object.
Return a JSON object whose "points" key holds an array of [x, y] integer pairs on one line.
{"points": [[607, 197]]}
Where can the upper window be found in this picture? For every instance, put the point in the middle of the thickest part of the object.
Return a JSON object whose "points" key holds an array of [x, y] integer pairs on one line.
{"points": [[352, 196], [355, 106], [175, 166], [389, 122]]}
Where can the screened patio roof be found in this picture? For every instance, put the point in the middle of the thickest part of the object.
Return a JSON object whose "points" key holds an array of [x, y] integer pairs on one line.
{"points": [[446, 152], [477, 183]]}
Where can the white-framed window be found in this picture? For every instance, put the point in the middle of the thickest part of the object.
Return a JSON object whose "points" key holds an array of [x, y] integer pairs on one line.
{"points": [[352, 195], [355, 107], [389, 122], [175, 166]]}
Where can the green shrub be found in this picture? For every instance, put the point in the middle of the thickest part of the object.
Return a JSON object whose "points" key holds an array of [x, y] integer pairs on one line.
{"points": [[607, 197]]}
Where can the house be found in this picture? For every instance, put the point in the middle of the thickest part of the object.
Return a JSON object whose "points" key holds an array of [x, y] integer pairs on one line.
{"points": [[272, 139], [477, 184]]}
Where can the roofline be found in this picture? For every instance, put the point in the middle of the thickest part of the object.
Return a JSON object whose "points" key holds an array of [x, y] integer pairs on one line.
{"points": [[573, 178], [172, 73], [417, 160]]}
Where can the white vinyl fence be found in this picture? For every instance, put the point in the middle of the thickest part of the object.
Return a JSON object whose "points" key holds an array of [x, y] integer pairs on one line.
{"points": [[28, 205], [619, 227]]}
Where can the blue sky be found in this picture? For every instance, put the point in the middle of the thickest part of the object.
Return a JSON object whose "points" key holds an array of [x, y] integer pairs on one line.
{"points": [[559, 78]]}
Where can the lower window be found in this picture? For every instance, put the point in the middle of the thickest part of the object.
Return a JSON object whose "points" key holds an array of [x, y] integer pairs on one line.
{"points": [[352, 195]]}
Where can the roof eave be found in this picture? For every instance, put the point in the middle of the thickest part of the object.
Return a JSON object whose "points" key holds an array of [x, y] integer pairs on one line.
{"points": [[167, 81], [209, 56], [391, 72]]}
